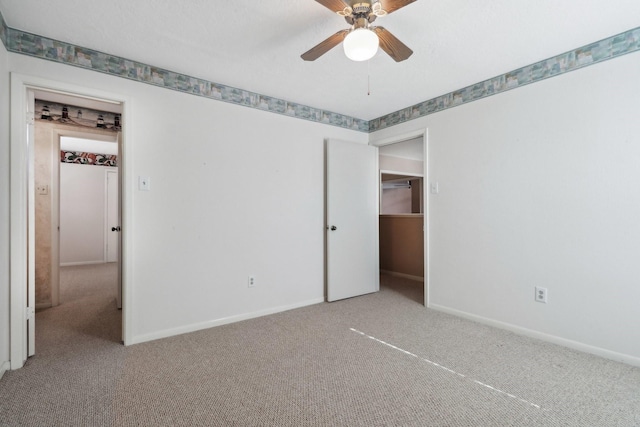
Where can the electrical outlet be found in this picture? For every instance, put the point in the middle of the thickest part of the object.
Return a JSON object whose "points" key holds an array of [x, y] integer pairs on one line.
{"points": [[541, 294], [251, 281]]}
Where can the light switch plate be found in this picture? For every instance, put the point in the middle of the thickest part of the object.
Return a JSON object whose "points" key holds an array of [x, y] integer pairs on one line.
{"points": [[144, 183], [435, 187]]}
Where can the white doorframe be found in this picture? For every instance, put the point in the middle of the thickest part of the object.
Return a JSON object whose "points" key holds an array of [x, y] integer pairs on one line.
{"points": [[55, 221], [424, 133], [22, 261]]}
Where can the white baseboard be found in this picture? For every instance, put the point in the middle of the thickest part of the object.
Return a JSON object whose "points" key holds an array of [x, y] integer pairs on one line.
{"points": [[403, 275], [219, 322], [4, 367], [69, 264], [575, 345]]}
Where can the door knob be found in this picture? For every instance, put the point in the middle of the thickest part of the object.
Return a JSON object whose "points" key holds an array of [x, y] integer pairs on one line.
{"points": [[115, 228], [334, 228]]}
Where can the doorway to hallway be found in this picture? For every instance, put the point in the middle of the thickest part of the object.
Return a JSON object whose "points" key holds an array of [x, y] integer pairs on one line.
{"points": [[76, 200]]}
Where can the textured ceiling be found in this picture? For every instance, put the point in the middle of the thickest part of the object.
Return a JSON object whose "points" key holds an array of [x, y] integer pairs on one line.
{"points": [[256, 45]]}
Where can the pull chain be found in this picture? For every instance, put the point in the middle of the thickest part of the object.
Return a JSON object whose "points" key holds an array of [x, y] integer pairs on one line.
{"points": [[368, 78]]}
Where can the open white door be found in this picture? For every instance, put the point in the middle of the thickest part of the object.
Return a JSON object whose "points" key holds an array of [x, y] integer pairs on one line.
{"points": [[353, 264]]}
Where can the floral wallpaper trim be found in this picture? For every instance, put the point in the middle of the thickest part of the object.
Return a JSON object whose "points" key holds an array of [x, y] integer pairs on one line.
{"points": [[594, 53], [93, 159]]}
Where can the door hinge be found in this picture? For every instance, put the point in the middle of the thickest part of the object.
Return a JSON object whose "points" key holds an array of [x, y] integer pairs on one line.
{"points": [[30, 117], [31, 313]]}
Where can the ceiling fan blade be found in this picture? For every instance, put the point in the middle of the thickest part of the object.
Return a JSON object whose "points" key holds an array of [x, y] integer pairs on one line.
{"points": [[333, 5], [390, 44], [393, 5], [324, 46]]}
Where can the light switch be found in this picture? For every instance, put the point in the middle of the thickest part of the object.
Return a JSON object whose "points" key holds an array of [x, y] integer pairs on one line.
{"points": [[434, 187], [144, 183]]}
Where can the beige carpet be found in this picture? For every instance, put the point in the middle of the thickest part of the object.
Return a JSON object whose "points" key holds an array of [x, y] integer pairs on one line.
{"points": [[376, 360]]}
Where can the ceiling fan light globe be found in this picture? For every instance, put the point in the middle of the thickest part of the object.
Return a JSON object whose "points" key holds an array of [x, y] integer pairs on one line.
{"points": [[361, 44]]}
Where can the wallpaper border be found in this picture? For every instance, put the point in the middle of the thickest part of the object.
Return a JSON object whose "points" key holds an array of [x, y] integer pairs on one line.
{"points": [[53, 50], [3, 31], [21, 42], [88, 158], [591, 54]]}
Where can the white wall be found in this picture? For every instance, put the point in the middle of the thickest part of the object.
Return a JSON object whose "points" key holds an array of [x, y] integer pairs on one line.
{"points": [[539, 187], [234, 192], [4, 207], [82, 213]]}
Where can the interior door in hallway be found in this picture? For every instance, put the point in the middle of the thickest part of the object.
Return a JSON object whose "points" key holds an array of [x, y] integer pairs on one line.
{"points": [[352, 259], [113, 224], [114, 221]]}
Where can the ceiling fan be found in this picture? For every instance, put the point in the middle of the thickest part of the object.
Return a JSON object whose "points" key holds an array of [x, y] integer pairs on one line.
{"points": [[361, 41]]}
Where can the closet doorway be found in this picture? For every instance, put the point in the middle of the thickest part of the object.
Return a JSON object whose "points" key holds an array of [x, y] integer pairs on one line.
{"points": [[402, 219]]}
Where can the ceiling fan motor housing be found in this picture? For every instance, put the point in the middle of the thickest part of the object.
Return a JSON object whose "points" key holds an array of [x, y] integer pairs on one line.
{"points": [[360, 22], [358, 11], [361, 8]]}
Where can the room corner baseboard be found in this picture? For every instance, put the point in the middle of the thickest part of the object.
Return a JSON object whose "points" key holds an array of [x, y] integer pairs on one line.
{"points": [[575, 345], [219, 322], [403, 275], [4, 367]]}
